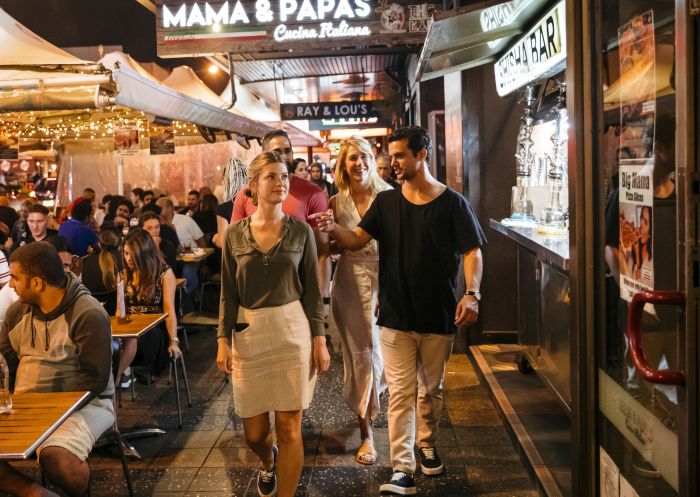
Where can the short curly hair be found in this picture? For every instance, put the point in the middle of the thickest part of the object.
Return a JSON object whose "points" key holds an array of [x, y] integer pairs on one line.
{"points": [[418, 138]]}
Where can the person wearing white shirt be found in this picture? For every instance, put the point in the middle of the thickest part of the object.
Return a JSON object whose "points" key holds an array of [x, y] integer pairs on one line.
{"points": [[190, 235], [188, 231]]}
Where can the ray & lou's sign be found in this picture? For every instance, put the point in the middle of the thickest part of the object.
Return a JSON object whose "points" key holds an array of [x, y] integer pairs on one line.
{"points": [[200, 28], [327, 110]]}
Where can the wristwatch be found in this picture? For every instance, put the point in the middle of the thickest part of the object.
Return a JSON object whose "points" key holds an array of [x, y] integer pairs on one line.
{"points": [[474, 293], [175, 339]]}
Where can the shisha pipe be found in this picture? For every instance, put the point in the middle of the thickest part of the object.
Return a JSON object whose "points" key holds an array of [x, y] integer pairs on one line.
{"points": [[522, 208], [525, 157], [553, 213]]}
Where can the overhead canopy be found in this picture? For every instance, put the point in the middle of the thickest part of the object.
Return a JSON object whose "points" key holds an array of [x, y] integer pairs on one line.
{"points": [[34, 74], [139, 90], [184, 80], [21, 47], [248, 104], [473, 35], [117, 60], [298, 137], [37, 76]]}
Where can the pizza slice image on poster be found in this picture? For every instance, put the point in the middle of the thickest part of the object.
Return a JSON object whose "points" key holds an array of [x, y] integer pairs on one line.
{"points": [[637, 88], [636, 155], [636, 230]]}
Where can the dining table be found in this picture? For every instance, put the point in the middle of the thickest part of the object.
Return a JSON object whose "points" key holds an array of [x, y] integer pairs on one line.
{"points": [[197, 255], [33, 418], [133, 326]]}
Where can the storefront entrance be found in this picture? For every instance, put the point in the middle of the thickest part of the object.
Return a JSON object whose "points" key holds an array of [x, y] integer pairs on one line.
{"points": [[646, 390]]}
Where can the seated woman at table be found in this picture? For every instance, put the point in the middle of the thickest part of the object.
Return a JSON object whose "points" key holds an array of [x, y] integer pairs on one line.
{"points": [[101, 271], [150, 221], [272, 310], [149, 288]]}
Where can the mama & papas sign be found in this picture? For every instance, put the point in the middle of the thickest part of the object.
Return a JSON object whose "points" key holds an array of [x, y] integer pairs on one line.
{"points": [[258, 26]]}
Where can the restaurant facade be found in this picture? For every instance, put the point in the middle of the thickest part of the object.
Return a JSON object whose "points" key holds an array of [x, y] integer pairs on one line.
{"points": [[572, 127]]}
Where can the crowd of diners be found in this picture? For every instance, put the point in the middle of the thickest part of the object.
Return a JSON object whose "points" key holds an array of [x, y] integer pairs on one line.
{"points": [[377, 241]]}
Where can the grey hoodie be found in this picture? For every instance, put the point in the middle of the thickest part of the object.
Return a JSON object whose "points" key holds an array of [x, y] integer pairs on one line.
{"points": [[68, 349]]}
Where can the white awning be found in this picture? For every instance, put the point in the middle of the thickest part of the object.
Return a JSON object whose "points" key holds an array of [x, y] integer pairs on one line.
{"points": [[37, 76], [248, 104], [139, 90], [184, 80], [117, 60], [298, 137], [21, 47]]}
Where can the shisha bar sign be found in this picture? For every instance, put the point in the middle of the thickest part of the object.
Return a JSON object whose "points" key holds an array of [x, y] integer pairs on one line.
{"points": [[198, 28]]}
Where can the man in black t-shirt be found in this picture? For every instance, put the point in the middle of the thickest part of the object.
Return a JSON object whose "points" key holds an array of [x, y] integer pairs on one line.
{"points": [[424, 231]]}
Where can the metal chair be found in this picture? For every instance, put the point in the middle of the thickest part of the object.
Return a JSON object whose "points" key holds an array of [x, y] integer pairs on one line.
{"points": [[113, 436], [213, 280], [173, 370]]}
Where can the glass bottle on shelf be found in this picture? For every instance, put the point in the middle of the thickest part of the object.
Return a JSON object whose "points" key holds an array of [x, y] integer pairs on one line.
{"points": [[5, 397]]}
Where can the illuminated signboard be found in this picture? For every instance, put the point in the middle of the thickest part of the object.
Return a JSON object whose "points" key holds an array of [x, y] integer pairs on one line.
{"points": [[538, 54], [349, 123], [327, 110], [300, 26], [499, 16]]}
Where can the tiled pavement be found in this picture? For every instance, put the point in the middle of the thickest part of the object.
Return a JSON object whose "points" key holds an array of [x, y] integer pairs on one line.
{"points": [[208, 458]]}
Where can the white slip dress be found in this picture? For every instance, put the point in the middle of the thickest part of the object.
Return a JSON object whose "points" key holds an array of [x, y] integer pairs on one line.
{"points": [[354, 297]]}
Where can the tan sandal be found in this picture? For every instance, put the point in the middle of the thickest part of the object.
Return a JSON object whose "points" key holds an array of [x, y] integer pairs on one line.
{"points": [[366, 454]]}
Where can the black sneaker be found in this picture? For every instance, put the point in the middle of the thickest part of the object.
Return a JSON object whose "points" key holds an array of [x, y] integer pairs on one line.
{"points": [[267, 480], [401, 484], [430, 462]]}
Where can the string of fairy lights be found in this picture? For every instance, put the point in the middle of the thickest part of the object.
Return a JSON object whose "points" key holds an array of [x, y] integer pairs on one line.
{"points": [[86, 124]]}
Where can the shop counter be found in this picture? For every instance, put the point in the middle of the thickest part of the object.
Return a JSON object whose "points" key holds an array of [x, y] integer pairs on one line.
{"points": [[543, 306]]}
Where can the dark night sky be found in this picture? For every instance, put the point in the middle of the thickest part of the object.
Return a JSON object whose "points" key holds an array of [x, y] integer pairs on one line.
{"points": [[75, 23]]}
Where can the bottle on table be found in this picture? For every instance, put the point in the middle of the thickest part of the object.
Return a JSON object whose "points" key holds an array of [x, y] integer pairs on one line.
{"points": [[5, 397]]}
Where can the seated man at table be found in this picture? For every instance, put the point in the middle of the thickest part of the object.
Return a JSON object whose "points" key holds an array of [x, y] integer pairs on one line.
{"points": [[190, 236], [57, 338]]}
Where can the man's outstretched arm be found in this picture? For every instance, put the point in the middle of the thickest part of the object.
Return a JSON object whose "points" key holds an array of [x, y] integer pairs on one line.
{"points": [[353, 239]]}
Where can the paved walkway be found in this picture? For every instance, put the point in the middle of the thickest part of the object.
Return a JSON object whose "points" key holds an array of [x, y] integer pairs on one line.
{"points": [[208, 458]]}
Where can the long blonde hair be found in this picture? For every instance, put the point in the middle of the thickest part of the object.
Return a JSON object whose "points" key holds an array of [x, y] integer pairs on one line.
{"points": [[341, 175], [255, 168], [110, 248]]}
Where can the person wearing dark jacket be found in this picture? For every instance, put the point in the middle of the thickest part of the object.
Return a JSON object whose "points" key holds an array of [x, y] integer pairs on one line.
{"points": [[100, 271], [8, 216], [57, 338]]}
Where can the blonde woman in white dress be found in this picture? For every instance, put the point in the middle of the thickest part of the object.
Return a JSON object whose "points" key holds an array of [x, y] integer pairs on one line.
{"points": [[355, 288]]}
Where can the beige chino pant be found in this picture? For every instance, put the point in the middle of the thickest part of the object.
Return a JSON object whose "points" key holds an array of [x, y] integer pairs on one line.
{"points": [[414, 366]]}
